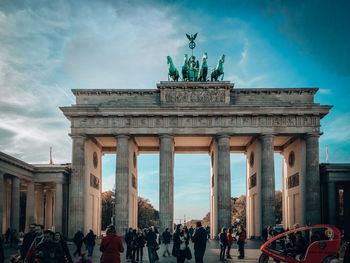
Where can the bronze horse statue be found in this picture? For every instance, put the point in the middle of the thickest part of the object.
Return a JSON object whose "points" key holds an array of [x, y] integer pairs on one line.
{"points": [[185, 69], [203, 71], [219, 70], [173, 73]]}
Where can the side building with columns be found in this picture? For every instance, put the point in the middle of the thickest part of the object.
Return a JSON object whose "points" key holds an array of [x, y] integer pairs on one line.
{"points": [[33, 193]]}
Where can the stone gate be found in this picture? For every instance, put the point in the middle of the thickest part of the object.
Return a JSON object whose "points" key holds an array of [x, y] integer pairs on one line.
{"points": [[197, 117]]}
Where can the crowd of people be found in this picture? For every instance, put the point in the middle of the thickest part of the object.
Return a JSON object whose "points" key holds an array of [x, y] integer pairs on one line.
{"points": [[226, 239], [156, 243], [46, 246], [136, 240]]}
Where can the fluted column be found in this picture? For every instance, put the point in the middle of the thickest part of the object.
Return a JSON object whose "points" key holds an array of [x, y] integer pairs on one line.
{"points": [[122, 184], [77, 186], [166, 182], [267, 180], [58, 207], [30, 205], [2, 200], [48, 210], [39, 204], [224, 182], [15, 203], [313, 195]]}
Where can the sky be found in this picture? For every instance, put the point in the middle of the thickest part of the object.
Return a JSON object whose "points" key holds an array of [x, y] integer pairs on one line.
{"points": [[48, 48]]}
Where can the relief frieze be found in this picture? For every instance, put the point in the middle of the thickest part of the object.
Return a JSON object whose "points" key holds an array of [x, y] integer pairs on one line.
{"points": [[196, 121], [195, 96]]}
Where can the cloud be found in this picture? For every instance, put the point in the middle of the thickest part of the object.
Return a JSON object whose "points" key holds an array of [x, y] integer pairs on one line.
{"points": [[45, 50], [337, 130], [318, 28], [122, 49], [325, 91]]}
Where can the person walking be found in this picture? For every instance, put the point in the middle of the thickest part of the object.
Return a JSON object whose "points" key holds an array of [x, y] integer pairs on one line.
{"points": [[78, 241], [229, 243], [180, 244], [66, 257], [48, 251], [166, 236], [111, 246], [156, 257], [2, 253], [133, 245], [128, 239], [140, 245], [241, 240], [191, 231], [151, 239], [27, 241], [200, 242], [90, 242], [223, 243], [39, 238]]}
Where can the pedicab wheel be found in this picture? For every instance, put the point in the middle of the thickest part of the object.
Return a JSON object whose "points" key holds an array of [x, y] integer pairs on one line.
{"points": [[330, 259], [263, 258]]}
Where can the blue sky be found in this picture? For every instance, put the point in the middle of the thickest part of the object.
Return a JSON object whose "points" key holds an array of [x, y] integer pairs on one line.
{"points": [[49, 47]]}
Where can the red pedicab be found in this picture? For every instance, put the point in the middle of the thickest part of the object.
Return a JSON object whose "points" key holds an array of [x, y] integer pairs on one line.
{"points": [[311, 244]]}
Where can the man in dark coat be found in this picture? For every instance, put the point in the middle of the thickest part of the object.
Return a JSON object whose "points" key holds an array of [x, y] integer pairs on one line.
{"points": [[166, 236], [200, 241], [78, 241], [39, 238], [128, 240], [28, 240], [2, 253], [151, 239], [48, 251], [89, 241]]}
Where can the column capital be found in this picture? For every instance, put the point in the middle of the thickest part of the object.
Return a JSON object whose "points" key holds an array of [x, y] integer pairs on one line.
{"points": [[122, 136], [77, 136], [267, 135], [222, 136], [312, 135], [166, 135]]}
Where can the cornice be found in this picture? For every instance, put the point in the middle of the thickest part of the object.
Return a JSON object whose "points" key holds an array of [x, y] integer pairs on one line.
{"points": [[108, 92]]}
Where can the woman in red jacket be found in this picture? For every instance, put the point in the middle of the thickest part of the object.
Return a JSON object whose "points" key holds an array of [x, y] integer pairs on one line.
{"points": [[230, 241], [111, 247]]}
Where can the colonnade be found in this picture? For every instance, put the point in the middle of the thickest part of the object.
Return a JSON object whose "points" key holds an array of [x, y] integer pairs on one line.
{"points": [[43, 205], [260, 195]]}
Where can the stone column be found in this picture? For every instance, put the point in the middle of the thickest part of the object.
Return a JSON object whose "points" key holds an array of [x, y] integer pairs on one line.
{"points": [[122, 185], [48, 210], [224, 182], [15, 203], [166, 182], [30, 205], [313, 195], [58, 207], [39, 204], [267, 180], [77, 186], [2, 200]]}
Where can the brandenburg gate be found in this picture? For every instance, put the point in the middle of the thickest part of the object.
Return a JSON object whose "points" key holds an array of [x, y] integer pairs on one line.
{"points": [[197, 117]]}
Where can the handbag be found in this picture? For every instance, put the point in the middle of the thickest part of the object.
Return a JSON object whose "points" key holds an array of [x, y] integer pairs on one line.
{"points": [[188, 253], [175, 251]]}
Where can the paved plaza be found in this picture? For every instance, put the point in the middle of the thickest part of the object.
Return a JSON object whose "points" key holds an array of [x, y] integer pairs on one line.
{"points": [[252, 253]]}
